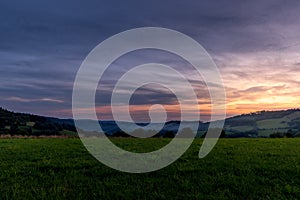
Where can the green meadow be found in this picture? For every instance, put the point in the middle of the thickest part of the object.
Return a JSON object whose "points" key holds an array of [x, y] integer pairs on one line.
{"points": [[56, 168]]}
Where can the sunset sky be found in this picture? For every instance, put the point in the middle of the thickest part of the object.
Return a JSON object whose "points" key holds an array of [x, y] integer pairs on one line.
{"points": [[255, 44]]}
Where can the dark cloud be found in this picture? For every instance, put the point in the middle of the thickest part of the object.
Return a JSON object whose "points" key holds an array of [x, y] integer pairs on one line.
{"points": [[42, 43]]}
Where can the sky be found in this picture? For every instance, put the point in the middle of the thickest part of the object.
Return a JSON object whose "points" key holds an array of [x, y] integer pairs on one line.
{"points": [[255, 44]]}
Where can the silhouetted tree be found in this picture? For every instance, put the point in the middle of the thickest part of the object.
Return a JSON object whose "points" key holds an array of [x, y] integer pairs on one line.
{"points": [[169, 134], [214, 132]]}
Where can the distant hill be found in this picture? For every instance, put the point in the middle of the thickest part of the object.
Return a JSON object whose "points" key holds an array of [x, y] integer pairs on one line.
{"points": [[265, 124], [12, 123], [257, 124]]}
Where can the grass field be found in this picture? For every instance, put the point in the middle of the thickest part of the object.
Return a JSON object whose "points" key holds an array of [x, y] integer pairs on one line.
{"points": [[236, 169], [273, 123]]}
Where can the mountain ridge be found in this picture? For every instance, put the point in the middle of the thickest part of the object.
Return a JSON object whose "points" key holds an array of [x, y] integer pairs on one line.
{"points": [[263, 123]]}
